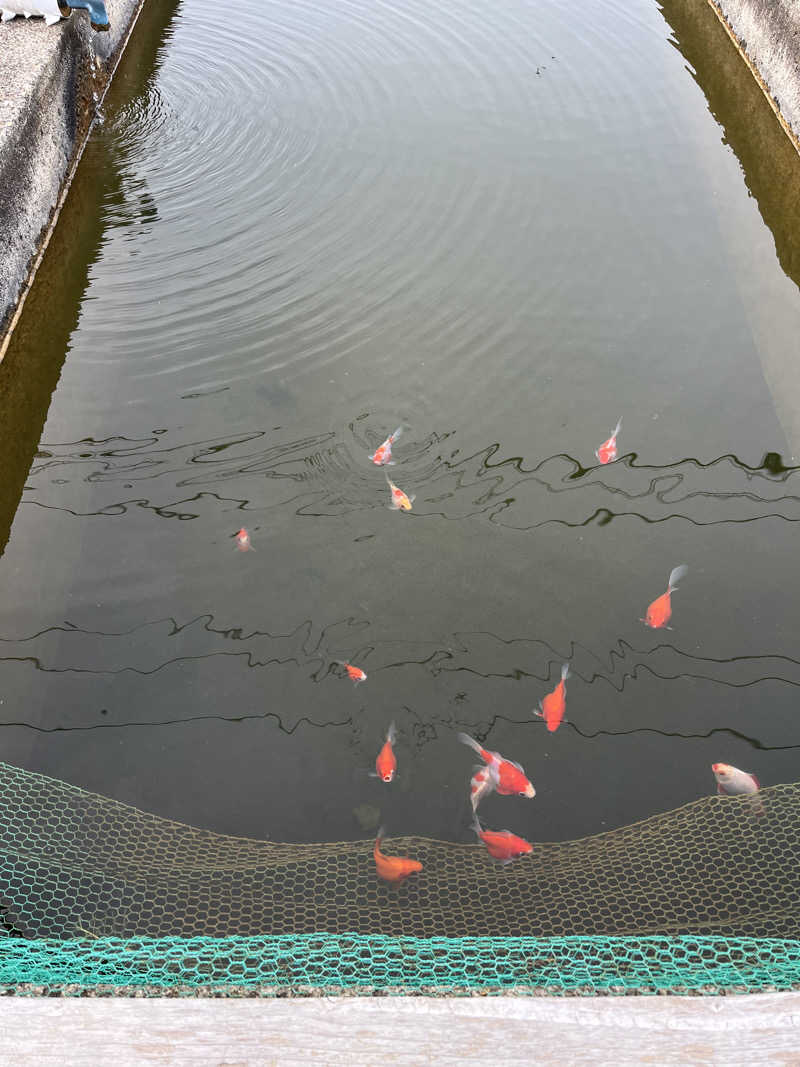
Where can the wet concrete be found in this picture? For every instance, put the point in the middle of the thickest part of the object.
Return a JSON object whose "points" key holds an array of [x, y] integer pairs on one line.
{"points": [[50, 77]]}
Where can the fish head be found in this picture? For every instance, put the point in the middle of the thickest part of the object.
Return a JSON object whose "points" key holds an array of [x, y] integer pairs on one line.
{"points": [[405, 504], [528, 791], [721, 771], [388, 776], [523, 849]]}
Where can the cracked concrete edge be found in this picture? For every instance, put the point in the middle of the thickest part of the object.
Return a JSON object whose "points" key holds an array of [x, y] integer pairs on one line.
{"points": [[51, 80], [767, 36]]}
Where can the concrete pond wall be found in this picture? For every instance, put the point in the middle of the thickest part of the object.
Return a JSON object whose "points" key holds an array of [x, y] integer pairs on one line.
{"points": [[767, 33], [51, 78]]}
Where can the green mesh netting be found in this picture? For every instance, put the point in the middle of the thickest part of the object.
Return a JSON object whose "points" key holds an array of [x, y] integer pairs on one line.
{"points": [[95, 893], [332, 963]]}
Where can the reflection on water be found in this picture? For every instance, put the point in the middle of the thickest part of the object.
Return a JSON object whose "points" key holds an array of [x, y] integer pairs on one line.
{"points": [[503, 234]]}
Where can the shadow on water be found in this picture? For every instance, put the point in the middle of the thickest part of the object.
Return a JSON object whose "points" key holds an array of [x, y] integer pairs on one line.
{"points": [[770, 164], [32, 366]]}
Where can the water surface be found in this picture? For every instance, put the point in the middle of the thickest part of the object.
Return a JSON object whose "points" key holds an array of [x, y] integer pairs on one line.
{"points": [[314, 221]]}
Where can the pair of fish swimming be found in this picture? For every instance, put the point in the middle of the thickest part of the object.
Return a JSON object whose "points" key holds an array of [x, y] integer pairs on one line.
{"points": [[382, 457]]}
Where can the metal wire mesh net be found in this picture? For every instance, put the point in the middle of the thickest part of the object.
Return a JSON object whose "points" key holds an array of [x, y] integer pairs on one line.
{"points": [[93, 892]]}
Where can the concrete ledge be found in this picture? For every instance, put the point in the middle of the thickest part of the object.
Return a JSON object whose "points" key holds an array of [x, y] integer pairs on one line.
{"points": [[761, 1029], [767, 33], [51, 78]]}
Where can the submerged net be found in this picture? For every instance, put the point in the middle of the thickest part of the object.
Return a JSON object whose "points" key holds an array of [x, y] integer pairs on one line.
{"points": [[94, 893]]}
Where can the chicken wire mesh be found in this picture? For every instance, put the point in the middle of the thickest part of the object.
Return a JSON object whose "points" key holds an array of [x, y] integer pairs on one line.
{"points": [[95, 893]]}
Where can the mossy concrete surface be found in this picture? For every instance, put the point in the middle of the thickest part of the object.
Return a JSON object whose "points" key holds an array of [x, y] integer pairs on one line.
{"points": [[50, 80]]}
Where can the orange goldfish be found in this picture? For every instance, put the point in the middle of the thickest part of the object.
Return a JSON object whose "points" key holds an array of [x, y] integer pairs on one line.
{"points": [[660, 611], [355, 674], [393, 869], [509, 777], [399, 502], [502, 844], [607, 452], [386, 764], [383, 453], [554, 705], [243, 541]]}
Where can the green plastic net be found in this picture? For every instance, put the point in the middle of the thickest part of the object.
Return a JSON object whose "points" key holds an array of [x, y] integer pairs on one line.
{"points": [[95, 895]]}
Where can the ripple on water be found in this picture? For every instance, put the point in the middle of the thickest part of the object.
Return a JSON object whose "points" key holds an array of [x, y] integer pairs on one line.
{"points": [[322, 171]]}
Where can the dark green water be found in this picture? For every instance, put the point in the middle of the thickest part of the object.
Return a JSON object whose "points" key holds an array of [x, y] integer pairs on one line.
{"points": [[305, 225]]}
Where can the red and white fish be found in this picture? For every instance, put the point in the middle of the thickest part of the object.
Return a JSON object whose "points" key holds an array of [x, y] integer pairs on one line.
{"points": [[243, 541], [386, 763], [383, 453], [355, 674], [502, 844], [393, 869], [399, 501], [660, 611], [553, 706], [733, 782], [482, 783], [510, 776], [607, 452]]}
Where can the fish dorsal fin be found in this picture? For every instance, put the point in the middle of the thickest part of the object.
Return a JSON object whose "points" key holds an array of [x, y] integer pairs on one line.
{"points": [[519, 767]]}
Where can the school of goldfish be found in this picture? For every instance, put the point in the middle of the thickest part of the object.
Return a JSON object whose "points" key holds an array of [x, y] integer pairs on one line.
{"points": [[496, 774]]}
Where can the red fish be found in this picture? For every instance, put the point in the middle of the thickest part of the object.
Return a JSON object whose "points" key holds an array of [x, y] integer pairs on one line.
{"points": [[510, 776], [393, 869], [607, 452], [554, 705], [386, 764], [660, 611], [502, 844], [243, 541], [355, 674], [383, 453]]}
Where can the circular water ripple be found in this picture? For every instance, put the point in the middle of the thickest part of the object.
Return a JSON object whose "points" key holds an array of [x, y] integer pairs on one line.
{"points": [[324, 174]]}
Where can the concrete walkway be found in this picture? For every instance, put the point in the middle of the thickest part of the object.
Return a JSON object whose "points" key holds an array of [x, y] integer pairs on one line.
{"points": [[613, 1031]]}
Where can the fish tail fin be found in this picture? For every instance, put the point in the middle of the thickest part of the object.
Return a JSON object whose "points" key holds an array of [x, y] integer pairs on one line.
{"points": [[391, 733], [565, 672], [617, 428], [396, 434], [476, 824], [465, 739], [380, 833], [677, 575]]}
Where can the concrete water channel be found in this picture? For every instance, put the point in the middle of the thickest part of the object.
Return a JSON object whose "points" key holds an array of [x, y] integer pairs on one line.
{"points": [[137, 286]]}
